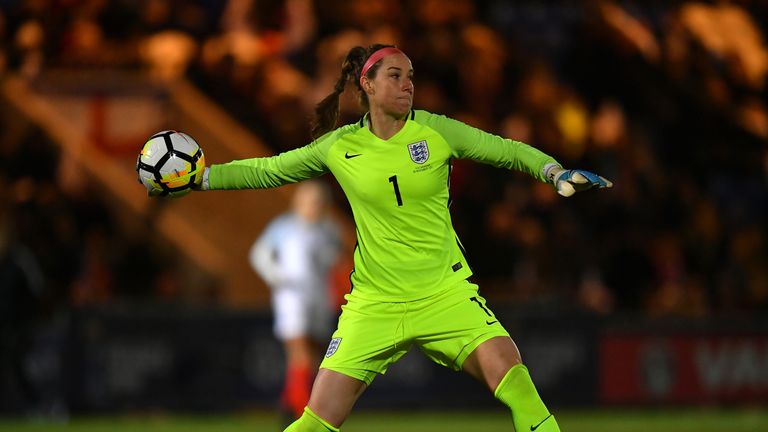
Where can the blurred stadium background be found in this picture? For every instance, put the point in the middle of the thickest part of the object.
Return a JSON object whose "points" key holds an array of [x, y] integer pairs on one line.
{"points": [[640, 308]]}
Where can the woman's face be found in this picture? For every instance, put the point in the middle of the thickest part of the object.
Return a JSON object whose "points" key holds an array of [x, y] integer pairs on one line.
{"points": [[391, 90]]}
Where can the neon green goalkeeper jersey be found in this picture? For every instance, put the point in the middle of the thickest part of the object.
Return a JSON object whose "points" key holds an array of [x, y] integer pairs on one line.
{"points": [[398, 190]]}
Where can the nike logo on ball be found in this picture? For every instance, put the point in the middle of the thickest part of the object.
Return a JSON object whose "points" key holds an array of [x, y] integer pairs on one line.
{"points": [[533, 428], [492, 322], [350, 156]]}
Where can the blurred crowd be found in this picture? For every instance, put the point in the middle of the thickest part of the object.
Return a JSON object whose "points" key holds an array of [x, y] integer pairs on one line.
{"points": [[669, 99]]}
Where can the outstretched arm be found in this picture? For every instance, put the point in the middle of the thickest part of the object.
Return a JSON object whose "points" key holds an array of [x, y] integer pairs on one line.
{"points": [[258, 173], [471, 143]]}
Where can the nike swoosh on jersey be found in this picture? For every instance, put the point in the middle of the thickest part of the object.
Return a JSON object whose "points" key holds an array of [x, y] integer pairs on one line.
{"points": [[491, 322], [350, 156], [533, 428]]}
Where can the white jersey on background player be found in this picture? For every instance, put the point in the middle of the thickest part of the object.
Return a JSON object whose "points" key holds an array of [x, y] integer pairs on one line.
{"points": [[294, 256]]}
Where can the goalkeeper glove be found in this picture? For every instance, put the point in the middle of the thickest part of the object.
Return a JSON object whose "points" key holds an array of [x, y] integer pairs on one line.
{"points": [[568, 182], [201, 182]]}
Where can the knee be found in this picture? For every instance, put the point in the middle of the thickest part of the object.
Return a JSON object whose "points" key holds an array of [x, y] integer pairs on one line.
{"points": [[492, 359]]}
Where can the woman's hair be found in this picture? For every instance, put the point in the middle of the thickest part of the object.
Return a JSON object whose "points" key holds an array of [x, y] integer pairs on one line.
{"points": [[327, 111]]}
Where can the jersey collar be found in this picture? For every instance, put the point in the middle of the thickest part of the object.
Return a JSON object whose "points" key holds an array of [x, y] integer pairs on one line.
{"points": [[364, 122]]}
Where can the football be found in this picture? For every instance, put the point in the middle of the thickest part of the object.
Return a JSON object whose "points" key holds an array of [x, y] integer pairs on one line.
{"points": [[170, 164]]}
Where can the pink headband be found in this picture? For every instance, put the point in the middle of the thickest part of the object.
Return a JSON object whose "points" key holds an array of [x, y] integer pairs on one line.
{"points": [[375, 57]]}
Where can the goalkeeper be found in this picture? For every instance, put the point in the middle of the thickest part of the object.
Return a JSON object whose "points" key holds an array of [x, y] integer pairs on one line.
{"points": [[409, 284]]}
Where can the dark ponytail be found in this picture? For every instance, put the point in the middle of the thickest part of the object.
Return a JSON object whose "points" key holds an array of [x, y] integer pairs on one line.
{"points": [[327, 111]]}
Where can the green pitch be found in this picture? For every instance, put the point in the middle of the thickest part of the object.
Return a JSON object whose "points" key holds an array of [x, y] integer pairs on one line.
{"points": [[710, 420]]}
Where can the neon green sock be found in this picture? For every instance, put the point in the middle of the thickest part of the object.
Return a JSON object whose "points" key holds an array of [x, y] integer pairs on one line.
{"points": [[310, 422], [516, 390]]}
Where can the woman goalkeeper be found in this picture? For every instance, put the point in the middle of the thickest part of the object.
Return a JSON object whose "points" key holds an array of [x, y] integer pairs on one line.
{"points": [[409, 284]]}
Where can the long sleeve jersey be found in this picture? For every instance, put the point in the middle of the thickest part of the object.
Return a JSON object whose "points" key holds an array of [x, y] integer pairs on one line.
{"points": [[398, 190]]}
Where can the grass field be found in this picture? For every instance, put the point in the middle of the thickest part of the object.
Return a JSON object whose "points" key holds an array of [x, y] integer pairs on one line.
{"points": [[570, 421]]}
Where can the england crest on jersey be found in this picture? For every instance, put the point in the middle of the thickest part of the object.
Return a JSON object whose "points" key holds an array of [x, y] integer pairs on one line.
{"points": [[333, 346], [419, 151]]}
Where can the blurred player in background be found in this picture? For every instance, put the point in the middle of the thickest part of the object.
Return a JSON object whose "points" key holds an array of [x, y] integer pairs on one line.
{"points": [[294, 256], [410, 283]]}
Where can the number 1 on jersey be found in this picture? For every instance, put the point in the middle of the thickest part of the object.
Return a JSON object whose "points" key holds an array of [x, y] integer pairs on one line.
{"points": [[393, 180]]}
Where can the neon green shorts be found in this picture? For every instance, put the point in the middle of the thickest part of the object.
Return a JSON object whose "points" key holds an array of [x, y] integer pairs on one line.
{"points": [[447, 327]]}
